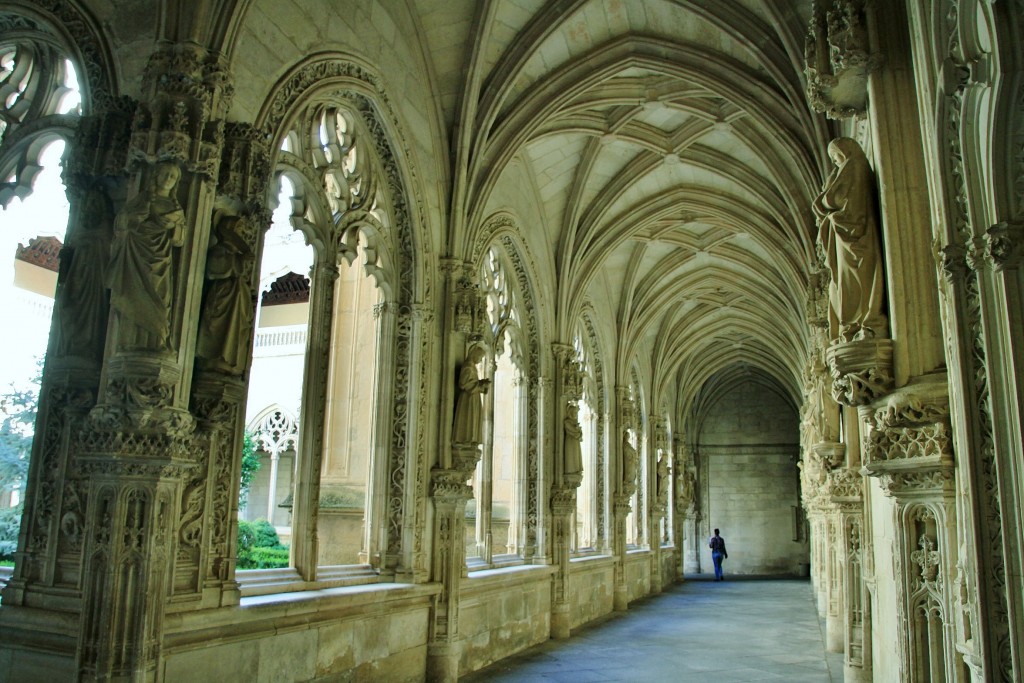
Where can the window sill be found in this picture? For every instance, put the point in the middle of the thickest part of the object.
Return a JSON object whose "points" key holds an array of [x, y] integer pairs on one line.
{"points": [[255, 582]]}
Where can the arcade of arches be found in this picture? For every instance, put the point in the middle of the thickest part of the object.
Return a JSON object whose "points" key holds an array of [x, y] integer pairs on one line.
{"points": [[518, 300]]}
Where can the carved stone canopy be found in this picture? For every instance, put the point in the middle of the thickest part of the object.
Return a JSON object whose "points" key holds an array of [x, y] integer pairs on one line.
{"points": [[837, 60]]}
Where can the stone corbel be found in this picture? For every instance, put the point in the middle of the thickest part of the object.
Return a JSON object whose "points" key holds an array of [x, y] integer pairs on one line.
{"points": [[837, 58], [861, 370]]}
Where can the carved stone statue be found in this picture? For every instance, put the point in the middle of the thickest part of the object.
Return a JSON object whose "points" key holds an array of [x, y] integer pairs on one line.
{"points": [[848, 234], [630, 462], [141, 275], [468, 427], [572, 452], [82, 298], [226, 322], [663, 479]]}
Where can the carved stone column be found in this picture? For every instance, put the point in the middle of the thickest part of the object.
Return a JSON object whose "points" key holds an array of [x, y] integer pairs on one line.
{"points": [[114, 455], [685, 508], [563, 505], [659, 485], [449, 493], [567, 478], [620, 510], [625, 486], [910, 451], [844, 489], [204, 565]]}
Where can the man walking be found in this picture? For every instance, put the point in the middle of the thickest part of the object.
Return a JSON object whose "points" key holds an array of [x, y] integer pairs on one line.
{"points": [[718, 553]]}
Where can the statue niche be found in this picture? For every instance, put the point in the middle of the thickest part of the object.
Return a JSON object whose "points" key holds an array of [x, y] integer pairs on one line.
{"points": [[226, 322], [468, 426], [141, 273], [848, 234], [572, 452], [630, 465], [81, 299]]}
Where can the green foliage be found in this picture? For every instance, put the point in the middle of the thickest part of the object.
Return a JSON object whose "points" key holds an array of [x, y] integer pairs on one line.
{"points": [[250, 465], [10, 521], [269, 558], [259, 546], [17, 426]]}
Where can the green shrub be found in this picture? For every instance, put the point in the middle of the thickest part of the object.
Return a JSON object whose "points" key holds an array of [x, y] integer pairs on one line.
{"points": [[259, 546], [269, 558], [10, 520]]}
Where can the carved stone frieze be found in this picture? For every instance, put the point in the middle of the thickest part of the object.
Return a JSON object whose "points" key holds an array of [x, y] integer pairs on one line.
{"points": [[563, 500], [844, 485], [837, 58], [912, 425], [861, 370]]}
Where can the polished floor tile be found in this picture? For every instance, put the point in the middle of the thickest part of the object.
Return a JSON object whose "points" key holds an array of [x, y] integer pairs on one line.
{"points": [[734, 630]]}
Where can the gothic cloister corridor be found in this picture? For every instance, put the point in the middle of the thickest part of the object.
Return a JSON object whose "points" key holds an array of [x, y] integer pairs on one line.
{"points": [[742, 630], [385, 340]]}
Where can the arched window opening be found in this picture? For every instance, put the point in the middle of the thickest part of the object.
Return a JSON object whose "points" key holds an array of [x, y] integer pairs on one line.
{"points": [[636, 521], [494, 518], [587, 518], [322, 348], [349, 439], [279, 353], [36, 82]]}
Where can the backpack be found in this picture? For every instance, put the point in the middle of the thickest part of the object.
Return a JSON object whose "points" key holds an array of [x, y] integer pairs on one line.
{"points": [[716, 543]]}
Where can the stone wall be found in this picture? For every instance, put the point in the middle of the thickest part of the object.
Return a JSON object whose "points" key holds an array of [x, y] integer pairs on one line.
{"points": [[750, 482], [591, 588], [503, 611], [376, 632], [638, 574]]}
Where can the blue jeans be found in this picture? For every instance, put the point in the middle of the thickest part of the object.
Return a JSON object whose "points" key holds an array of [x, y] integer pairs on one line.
{"points": [[716, 557]]}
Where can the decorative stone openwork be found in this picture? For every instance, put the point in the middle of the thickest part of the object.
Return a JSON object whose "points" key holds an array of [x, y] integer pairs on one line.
{"points": [[912, 435], [861, 370], [837, 59]]}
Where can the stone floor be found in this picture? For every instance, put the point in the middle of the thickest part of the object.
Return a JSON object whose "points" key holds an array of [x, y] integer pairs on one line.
{"points": [[700, 630]]}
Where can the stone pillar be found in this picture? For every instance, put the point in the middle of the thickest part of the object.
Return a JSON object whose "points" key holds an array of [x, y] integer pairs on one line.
{"points": [[910, 450], [658, 488], [625, 486], [568, 474], [116, 449], [620, 510], [449, 493], [563, 505], [844, 489]]}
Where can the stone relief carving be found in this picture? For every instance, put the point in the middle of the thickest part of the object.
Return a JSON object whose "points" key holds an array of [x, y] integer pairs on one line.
{"points": [[912, 424], [1004, 245], [141, 273]]}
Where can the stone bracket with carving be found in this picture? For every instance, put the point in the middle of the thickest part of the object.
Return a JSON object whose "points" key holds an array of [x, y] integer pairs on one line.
{"points": [[861, 370]]}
